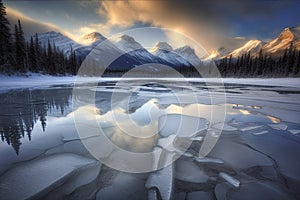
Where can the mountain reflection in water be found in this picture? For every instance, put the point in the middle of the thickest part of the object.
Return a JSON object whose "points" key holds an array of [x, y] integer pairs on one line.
{"points": [[22, 109]]}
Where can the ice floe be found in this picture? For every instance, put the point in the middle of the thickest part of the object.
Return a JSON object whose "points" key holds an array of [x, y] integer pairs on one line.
{"points": [[38, 177], [188, 171], [208, 160], [260, 133], [278, 126], [239, 156], [294, 131], [163, 181]]}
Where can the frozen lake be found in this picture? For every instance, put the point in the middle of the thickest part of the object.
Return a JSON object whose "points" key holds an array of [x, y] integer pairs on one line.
{"points": [[256, 156]]}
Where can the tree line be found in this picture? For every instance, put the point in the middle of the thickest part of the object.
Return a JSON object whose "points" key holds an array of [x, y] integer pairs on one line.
{"points": [[262, 65], [19, 55]]}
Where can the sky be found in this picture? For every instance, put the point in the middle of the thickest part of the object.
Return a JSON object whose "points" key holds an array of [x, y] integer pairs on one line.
{"points": [[210, 23]]}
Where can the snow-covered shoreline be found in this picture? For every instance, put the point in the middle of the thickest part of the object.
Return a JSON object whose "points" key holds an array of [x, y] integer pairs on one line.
{"points": [[34, 80]]}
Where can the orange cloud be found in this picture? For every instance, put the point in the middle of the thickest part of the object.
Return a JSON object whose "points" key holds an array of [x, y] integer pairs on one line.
{"points": [[162, 14]]}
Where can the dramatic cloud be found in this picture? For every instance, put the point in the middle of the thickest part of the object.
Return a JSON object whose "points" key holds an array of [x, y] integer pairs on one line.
{"points": [[31, 26], [206, 22], [212, 23]]}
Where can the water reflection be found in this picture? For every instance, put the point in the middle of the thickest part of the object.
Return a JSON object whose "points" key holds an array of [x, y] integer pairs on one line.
{"points": [[22, 109]]}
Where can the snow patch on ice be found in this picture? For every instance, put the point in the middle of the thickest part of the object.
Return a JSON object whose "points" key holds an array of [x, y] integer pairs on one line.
{"points": [[234, 182], [278, 126], [294, 131]]}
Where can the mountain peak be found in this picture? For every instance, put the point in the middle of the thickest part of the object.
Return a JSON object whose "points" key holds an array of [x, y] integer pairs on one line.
{"points": [[127, 38], [126, 43], [162, 46], [286, 34], [91, 37], [51, 34], [189, 54], [252, 46], [186, 49], [277, 46]]}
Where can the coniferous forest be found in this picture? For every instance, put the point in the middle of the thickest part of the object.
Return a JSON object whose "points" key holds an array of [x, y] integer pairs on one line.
{"points": [[262, 65], [20, 56]]}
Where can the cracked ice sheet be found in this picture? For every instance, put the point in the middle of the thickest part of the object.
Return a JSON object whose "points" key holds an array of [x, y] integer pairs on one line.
{"points": [[38, 177], [284, 150], [124, 186], [239, 156], [188, 171]]}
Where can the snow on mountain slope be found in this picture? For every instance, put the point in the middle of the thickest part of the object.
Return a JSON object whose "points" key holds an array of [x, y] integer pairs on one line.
{"points": [[277, 46], [188, 54], [91, 38], [216, 54], [61, 41], [166, 52], [253, 46], [136, 51], [126, 43]]}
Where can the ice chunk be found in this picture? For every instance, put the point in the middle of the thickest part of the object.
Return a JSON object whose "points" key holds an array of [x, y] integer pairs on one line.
{"points": [[188, 154], [294, 131], [163, 181], [236, 183], [199, 195], [209, 160], [36, 178], [224, 127], [260, 133], [279, 126], [198, 138], [249, 128], [181, 125], [87, 174], [157, 152], [168, 144], [124, 186], [188, 171], [152, 194]]}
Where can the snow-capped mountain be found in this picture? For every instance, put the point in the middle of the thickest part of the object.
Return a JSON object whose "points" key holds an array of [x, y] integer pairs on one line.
{"points": [[91, 38], [274, 48], [277, 46], [252, 46], [216, 54], [188, 54], [61, 41], [126, 43], [136, 51], [166, 52]]}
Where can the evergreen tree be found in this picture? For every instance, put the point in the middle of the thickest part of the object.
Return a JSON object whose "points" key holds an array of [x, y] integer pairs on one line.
{"points": [[5, 41], [20, 48], [37, 52], [32, 57]]}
